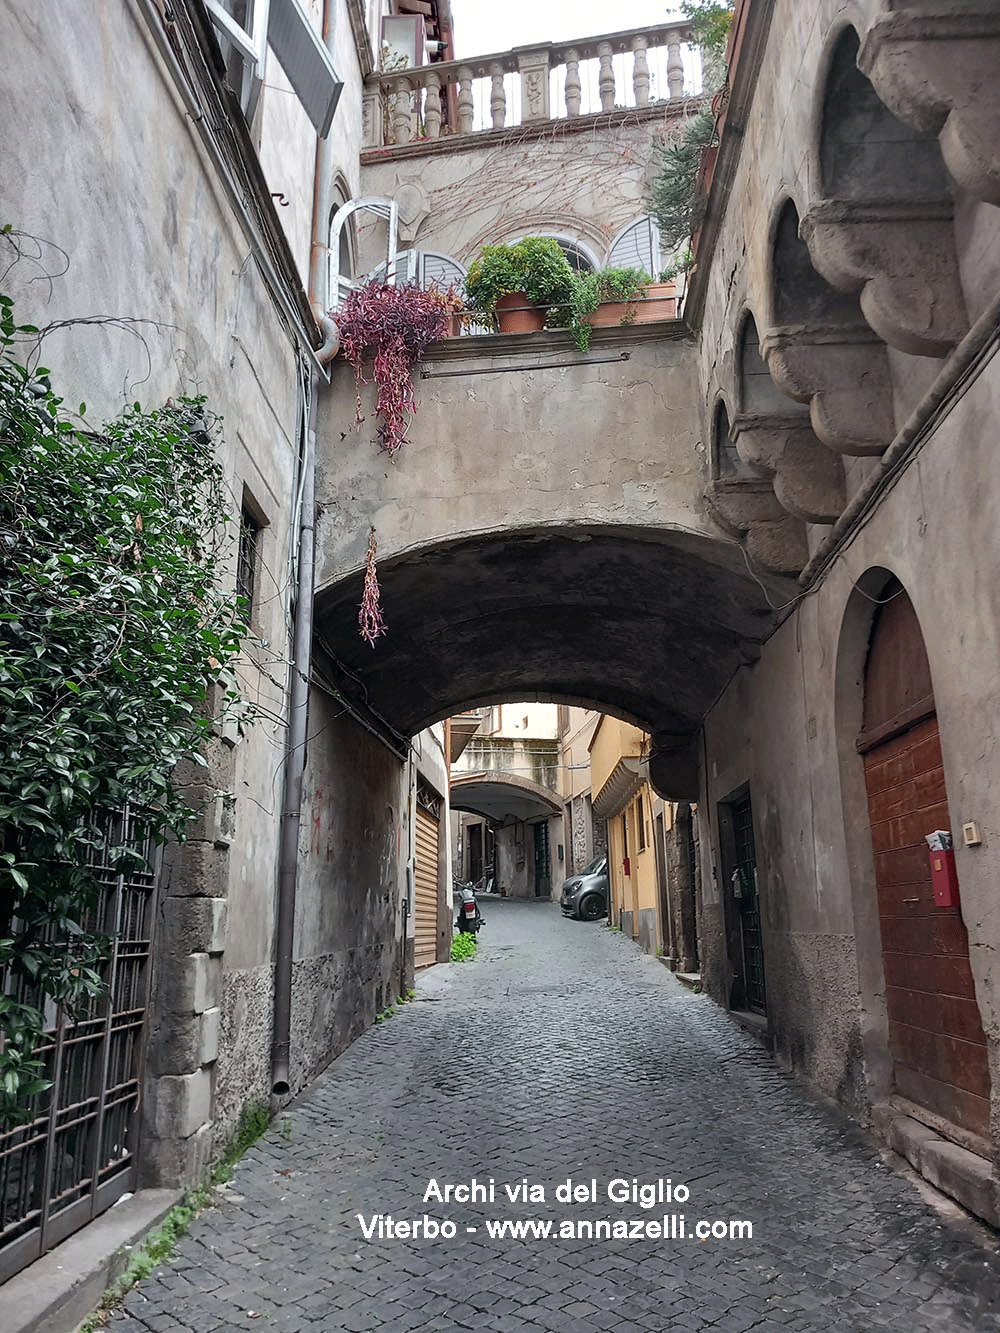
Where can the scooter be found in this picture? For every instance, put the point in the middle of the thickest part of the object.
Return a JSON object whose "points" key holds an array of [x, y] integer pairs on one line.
{"points": [[469, 916]]}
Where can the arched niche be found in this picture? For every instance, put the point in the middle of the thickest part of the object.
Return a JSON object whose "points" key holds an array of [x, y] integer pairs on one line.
{"points": [[883, 229], [821, 352], [742, 501]]}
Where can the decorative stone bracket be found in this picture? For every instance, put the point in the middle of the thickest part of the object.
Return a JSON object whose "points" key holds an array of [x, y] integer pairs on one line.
{"points": [[749, 511], [808, 479], [937, 70], [843, 374], [900, 256]]}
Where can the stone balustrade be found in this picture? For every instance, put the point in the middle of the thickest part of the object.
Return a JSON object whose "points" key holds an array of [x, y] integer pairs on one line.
{"points": [[553, 81]]}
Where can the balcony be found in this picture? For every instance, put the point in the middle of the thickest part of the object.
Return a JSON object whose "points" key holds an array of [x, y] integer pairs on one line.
{"points": [[637, 73]]}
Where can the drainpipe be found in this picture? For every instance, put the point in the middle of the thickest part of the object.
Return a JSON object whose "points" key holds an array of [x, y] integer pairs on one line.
{"points": [[295, 751], [302, 632]]}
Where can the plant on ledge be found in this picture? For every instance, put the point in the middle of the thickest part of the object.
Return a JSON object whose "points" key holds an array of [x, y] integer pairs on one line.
{"points": [[590, 289], [392, 327], [673, 201], [535, 269]]}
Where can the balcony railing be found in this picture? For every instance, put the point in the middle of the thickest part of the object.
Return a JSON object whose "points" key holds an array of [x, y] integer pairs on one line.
{"points": [[638, 68]]}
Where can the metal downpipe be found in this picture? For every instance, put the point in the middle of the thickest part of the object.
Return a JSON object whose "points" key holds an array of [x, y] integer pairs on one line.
{"points": [[295, 756]]}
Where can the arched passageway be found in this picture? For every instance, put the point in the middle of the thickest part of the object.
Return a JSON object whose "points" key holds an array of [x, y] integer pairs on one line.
{"points": [[645, 625]]}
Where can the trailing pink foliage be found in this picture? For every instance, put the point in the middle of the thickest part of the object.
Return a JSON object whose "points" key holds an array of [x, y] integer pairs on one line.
{"points": [[392, 327], [370, 620]]}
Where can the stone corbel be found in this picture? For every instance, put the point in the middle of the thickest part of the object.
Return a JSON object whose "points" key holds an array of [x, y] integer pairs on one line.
{"points": [[937, 69], [900, 256], [808, 479], [843, 374], [749, 511]]}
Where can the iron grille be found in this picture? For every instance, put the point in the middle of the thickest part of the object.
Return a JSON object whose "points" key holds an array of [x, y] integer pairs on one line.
{"points": [[77, 1153]]}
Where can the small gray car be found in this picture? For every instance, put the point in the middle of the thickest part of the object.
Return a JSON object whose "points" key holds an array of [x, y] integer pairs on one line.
{"points": [[585, 896]]}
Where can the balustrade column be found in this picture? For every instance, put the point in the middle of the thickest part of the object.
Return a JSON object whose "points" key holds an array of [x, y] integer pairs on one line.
{"points": [[675, 67], [640, 71], [573, 88], [606, 77], [498, 97], [402, 111], [432, 107], [465, 106]]}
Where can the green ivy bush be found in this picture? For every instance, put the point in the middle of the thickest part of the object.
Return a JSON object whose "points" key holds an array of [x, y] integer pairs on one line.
{"points": [[536, 267], [113, 630]]}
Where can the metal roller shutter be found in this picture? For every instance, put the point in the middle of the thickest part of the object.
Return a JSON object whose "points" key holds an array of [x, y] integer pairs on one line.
{"points": [[426, 884]]}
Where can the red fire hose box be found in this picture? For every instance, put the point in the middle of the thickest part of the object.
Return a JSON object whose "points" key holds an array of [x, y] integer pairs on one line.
{"points": [[944, 876]]}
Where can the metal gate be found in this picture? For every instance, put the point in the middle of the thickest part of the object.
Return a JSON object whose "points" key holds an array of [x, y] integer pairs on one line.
{"points": [[77, 1153], [749, 901], [543, 864]]}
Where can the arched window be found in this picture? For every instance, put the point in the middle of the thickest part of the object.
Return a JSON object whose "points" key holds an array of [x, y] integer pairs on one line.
{"points": [[638, 246]]}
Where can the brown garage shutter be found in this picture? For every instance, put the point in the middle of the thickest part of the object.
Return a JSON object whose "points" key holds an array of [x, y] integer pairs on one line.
{"points": [[425, 935]]}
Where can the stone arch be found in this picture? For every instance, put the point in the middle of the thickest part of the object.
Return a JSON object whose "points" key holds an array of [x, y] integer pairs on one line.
{"points": [[819, 349], [773, 434], [883, 226], [645, 624]]}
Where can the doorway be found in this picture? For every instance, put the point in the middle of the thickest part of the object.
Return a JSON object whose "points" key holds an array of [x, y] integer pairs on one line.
{"points": [[741, 889], [936, 1036]]}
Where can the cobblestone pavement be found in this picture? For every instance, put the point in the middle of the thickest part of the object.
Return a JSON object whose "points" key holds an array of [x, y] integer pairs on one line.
{"points": [[563, 1052]]}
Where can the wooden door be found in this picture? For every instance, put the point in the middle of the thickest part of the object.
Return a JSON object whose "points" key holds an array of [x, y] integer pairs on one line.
{"points": [[935, 1032]]}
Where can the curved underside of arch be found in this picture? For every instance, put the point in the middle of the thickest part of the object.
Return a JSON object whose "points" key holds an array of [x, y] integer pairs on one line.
{"points": [[646, 625], [503, 797]]}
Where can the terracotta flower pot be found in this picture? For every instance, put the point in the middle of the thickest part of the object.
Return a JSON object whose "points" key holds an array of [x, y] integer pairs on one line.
{"points": [[659, 302], [519, 315]]}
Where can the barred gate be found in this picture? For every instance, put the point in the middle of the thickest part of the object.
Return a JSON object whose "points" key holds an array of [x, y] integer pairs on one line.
{"points": [[77, 1154]]}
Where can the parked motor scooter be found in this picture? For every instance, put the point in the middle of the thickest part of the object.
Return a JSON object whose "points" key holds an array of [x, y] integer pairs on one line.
{"points": [[469, 916]]}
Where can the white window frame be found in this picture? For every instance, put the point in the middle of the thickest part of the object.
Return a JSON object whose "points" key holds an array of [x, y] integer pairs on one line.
{"points": [[284, 26]]}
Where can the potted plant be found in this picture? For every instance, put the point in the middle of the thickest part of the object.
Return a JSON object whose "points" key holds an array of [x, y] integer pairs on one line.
{"points": [[617, 296], [518, 284]]}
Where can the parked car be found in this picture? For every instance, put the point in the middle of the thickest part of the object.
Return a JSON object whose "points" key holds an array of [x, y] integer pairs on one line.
{"points": [[585, 896]]}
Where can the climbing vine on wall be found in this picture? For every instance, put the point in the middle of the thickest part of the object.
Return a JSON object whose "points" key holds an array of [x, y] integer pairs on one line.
{"points": [[114, 629]]}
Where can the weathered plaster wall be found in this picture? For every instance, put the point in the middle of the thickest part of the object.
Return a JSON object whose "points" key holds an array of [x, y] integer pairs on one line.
{"points": [[787, 727], [583, 442], [586, 186], [288, 140]]}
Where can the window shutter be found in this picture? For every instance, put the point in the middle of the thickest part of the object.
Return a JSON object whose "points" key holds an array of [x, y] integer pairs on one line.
{"points": [[306, 62]]}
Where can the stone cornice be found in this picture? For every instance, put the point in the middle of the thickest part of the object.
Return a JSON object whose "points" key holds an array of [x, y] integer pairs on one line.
{"points": [[527, 346], [534, 130]]}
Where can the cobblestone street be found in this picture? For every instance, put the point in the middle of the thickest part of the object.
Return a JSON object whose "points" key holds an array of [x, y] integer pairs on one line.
{"points": [[564, 1052]]}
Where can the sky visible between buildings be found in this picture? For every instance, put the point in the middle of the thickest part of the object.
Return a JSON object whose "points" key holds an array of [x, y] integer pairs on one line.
{"points": [[482, 28]]}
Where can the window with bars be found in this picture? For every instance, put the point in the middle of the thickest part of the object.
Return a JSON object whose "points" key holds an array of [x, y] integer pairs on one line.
{"points": [[248, 559], [640, 819]]}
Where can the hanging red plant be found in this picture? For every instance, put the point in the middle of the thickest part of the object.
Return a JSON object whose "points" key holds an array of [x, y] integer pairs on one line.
{"points": [[392, 327], [370, 619]]}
